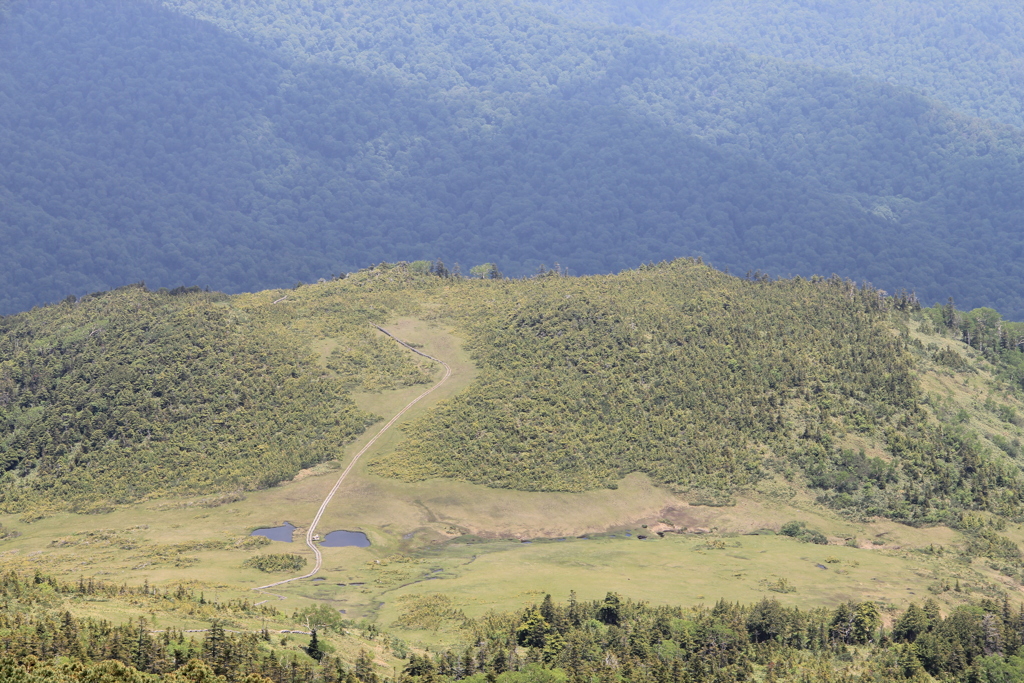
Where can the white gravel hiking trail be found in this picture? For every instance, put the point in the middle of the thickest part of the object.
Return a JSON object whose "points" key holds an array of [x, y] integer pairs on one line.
{"points": [[311, 531]]}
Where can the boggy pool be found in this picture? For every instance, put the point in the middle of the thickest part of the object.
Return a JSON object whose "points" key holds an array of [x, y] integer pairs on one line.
{"points": [[335, 539], [277, 533], [338, 539]]}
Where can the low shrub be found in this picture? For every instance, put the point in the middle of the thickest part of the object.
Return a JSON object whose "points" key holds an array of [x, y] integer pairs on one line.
{"points": [[286, 562]]}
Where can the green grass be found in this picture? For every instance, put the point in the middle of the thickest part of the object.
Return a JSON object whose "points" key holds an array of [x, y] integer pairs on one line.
{"points": [[673, 570], [499, 574], [462, 540]]}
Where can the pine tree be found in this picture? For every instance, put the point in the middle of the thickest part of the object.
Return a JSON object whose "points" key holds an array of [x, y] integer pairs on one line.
{"points": [[910, 625], [215, 648], [364, 669], [534, 629], [314, 650], [576, 613], [609, 613]]}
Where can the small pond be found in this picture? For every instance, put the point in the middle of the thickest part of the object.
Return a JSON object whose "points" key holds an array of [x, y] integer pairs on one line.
{"points": [[277, 533], [339, 539]]}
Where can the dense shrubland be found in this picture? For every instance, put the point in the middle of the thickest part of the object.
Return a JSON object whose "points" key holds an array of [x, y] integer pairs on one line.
{"points": [[130, 393], [703, 381], [678, 371], [375, 364], [276, 562], [706, 382]]}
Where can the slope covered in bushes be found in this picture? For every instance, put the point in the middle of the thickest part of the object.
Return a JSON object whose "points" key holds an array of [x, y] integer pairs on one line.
{"points": [[124, 394], [706, 382]]}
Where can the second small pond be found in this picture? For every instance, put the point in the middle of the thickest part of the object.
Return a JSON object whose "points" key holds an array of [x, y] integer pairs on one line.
{"points": [[338, 539], [277, 533]]}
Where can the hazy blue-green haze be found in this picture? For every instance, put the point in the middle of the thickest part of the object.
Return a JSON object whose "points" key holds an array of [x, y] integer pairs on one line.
{"points": [[242, 146], [966, 53]]}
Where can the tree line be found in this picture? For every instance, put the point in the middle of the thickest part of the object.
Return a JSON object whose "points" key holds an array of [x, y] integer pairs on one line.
{"points": [[613, 638]]}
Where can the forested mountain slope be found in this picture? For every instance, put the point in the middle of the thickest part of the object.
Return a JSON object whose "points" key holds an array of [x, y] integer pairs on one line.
{"points": [[773, 399], [707, 383], [241, 146], [120, 395], [966, 53]]}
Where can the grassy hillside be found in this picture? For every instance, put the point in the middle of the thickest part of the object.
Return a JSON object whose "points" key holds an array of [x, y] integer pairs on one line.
{"points": [[765, 438], [707, 383], [678, 371], [120, 395], [704, 382]]}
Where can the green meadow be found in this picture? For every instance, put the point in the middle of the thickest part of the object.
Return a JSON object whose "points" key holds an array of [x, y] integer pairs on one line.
{"points": [[474, 549], [447, 554]]}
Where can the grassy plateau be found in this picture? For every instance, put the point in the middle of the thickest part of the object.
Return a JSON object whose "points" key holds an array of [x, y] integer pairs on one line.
{"points": [[447, 549]]}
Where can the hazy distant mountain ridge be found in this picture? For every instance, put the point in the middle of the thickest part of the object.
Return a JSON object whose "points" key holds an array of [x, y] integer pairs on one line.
{"points": [[296, 141], [966, 53]]}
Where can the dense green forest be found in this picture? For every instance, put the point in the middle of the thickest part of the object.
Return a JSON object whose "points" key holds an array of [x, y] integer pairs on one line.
{"points": [[239, 146], [677, 371], [614, 639], [705, 382], [966, 53], [708, 383], [119, 395]]}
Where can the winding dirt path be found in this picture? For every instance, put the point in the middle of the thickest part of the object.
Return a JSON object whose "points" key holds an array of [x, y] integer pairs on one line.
{"points": [[323, 507]]}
